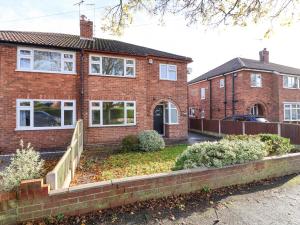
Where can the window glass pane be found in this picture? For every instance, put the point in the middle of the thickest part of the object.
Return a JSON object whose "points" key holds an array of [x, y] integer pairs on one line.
{"points": [[47, 114], [112, 66], [95, 68], [68, 104], [96, 104], [129, 71], [24, 63], [174, 117], [294, 114], [130, 116], [68, 66], [24, 103], [172, 75], [129, 104], [68, 117], [129, 62], [47, 61], [25, 52], [285, 81], [166, 115], [68, 56], [163, 72], [24, 118], [96, 117], [113, 113], [96, 59]]}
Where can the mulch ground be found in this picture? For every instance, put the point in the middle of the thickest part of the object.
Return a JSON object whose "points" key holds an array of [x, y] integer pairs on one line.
{"points": [[156, 210]]}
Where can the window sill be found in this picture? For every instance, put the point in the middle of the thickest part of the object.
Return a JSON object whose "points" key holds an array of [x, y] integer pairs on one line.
{"points": [[170, 124], [116, 125], [50, 72], [114, 76], [44, 128], [167, 80]]}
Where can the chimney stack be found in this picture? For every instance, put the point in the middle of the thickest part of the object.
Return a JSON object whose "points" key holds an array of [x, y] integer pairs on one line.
{"points": [[86, 28], [264, 56]]}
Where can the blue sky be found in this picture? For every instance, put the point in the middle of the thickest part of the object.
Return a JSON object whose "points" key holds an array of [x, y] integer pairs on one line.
{"points": [[208, 47]]}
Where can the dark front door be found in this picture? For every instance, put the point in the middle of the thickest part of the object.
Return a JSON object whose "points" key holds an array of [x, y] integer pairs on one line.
{"points": [[158, 119]]}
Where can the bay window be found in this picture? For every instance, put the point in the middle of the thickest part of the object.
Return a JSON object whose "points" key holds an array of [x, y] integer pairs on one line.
{"points": [[45, 114], [41, 60], [112, 113], [111, 66], [292, 111], [171, 114]]}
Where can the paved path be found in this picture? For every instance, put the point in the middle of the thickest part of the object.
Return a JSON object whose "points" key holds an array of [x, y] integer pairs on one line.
{"points": [[277, 203], [196, 137]]}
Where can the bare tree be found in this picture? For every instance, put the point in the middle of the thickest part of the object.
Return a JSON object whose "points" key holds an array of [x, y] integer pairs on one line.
{"points": [[206, 12]]}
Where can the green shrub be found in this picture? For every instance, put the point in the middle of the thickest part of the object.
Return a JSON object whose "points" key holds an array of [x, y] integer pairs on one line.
{"points": [[25, 164], [277, 145], [222, 153], [150, 140], [130, 143]]}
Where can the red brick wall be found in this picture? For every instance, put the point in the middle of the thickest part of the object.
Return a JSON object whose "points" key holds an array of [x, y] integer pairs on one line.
{"points": [[35, 201], [146, 89], [271, 96]]}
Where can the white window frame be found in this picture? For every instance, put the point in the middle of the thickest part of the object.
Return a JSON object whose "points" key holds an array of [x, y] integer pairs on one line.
{"points": [[31, 109], [31, 57], [291, 110], [101, 113], [192, 112], [168, 76], [256, 75], [169, 109], [254, 110], [115, 57], [202, 93], [288, 77], [222, 83]]}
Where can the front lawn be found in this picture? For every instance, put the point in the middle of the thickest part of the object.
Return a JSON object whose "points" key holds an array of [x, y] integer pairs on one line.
{"points": [[126, 164]]}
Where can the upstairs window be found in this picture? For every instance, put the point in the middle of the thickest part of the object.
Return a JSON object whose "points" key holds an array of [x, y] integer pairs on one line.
{"points": [[221, 83], [202, 93], [167, 72], [291, 82], [256, 80], [41, 60], [112, 66]]}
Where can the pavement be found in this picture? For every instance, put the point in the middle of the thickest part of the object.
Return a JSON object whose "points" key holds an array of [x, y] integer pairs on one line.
{"points": [[196, 137], [274, 203]]}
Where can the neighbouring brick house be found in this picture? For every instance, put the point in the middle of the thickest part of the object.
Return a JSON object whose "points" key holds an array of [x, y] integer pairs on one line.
{"points": [[246, 86], [48, 81]]}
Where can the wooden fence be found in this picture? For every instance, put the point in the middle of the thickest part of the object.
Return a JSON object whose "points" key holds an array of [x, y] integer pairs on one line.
{"points": [[62, 174], [219, 127]]}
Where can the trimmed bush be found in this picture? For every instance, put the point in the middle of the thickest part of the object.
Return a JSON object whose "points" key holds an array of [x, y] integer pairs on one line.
{"points": [[276, 145], [130, 143], [150, 140], [220, 154], [25, 164]]}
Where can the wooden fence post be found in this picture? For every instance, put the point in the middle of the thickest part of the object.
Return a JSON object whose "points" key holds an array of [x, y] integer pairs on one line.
{"points": [[244, 128], [202, 125], [219, 127], [279, 129]]}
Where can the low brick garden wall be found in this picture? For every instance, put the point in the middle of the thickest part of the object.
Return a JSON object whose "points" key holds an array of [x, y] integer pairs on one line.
{"points": [[34, 200]]}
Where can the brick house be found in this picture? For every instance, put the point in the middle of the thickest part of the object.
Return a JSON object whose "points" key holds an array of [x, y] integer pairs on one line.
{"points": [[48, 81], [245, 86]]}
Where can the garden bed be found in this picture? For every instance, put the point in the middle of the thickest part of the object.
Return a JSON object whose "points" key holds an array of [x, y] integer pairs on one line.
{"points": [[94, 168]]}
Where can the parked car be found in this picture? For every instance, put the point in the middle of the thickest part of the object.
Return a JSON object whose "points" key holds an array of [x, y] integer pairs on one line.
{"points": [[250, 118]]}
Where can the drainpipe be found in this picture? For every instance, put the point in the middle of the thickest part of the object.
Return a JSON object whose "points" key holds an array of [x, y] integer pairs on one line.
{"points": [[210, 100], [225, 97], [233, 94], [81, 84]]}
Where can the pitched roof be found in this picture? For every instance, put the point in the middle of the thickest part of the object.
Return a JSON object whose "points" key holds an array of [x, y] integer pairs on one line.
{"points": [[74, 42], [242, 63]]}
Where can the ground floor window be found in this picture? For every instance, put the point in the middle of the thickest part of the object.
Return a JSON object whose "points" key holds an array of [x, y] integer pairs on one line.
{"points": [[292, 111], [191, 112], [112, 113], [45, 114], [171, 113]]}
